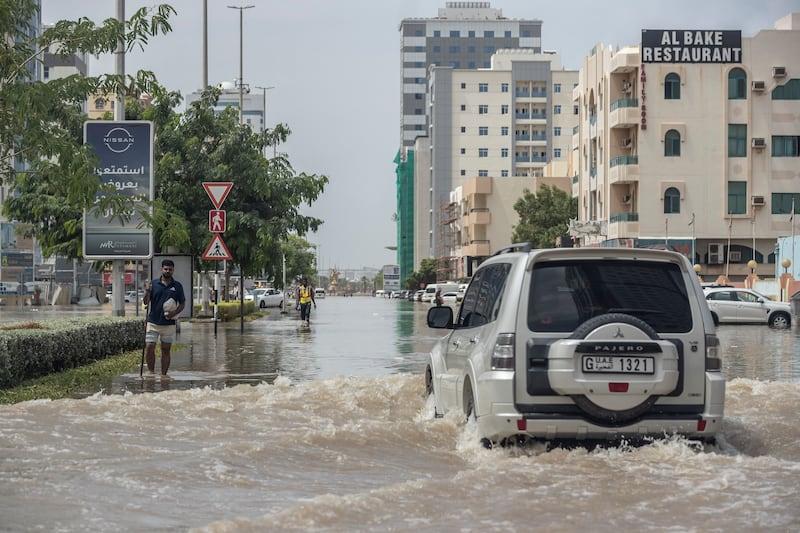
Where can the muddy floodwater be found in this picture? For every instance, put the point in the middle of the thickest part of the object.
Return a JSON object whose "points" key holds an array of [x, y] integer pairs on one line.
{"points": [[278, 428]]}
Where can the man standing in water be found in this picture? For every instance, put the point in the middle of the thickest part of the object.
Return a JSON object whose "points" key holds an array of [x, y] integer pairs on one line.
{"points": [[160, 323], [305, 297]]}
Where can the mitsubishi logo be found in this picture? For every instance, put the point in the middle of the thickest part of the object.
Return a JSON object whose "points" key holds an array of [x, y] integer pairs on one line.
{"points": [[618, 334]]}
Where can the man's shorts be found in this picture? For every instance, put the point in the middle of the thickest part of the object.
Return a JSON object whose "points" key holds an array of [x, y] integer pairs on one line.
{"points": [[153, 332]]}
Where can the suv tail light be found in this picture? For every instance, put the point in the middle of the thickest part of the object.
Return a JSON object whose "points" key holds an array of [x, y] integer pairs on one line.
{"points": [[503, 353], [713, 361]]}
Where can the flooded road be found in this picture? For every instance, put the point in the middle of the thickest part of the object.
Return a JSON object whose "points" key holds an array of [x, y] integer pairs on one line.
{"points": [[328, 430]]}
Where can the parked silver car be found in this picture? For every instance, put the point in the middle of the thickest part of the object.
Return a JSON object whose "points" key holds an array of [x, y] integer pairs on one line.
{"points": [[268, 298], [746, 306], [580, 344]]}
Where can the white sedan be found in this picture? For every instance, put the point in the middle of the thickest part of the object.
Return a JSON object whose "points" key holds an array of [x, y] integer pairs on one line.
{"points": [[268, 298]]}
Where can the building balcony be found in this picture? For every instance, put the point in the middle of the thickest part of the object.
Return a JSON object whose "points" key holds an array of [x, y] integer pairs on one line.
{"points": [[624, 113], [476, 216], [623, 169], [623, 226], [477, 248], [627, 61]]}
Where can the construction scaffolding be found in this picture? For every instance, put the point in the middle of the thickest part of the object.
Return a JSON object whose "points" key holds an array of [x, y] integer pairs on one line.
{"points": [[449, 228]]}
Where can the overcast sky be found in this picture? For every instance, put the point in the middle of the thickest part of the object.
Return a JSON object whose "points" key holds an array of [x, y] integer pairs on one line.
{"points": [[335, 66]]}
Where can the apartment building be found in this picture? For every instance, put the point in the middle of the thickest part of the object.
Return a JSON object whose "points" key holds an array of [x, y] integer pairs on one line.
{"points": [[690, 141], [254, 105], [507, 121], [463, 35]]}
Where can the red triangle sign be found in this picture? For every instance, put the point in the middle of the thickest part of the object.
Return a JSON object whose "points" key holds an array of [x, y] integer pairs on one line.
{"points": [[217, 191], [217, 250]]}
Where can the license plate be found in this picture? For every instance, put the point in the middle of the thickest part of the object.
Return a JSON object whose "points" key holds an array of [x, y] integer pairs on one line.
{"points": [[618, 365]]}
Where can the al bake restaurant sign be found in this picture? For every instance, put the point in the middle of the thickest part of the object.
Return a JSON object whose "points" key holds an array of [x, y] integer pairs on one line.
{"points": [[691, 46]]}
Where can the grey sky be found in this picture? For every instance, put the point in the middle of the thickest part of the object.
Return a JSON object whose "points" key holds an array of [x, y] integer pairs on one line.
{"points": [[335, 66]]}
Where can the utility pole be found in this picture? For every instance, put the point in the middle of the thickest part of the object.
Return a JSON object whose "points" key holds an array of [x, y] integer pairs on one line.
{"points": [[241, 59]]}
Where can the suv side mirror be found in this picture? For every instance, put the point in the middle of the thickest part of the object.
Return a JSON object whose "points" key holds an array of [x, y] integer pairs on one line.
{"points": [[440, 317]]}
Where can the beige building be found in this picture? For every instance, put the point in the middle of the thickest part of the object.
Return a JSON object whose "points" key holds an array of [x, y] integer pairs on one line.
{"points": [[506, 123], [690, 141]]}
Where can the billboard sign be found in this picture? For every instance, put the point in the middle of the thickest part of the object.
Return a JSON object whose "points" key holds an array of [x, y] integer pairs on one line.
{"points": [[125, 161], [691, 46]]}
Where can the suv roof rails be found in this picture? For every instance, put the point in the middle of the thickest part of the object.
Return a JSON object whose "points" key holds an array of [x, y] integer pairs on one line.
{"points": [[517, 247]]}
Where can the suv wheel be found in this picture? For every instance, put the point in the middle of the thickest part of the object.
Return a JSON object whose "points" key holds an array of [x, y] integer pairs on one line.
{"points": [[780, 320]]}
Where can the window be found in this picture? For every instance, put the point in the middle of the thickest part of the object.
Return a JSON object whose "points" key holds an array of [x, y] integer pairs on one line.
{"points": [[483, 152], [483, 87], [789, 91], [46, 72], [504, 152], [575, 110], [557, 131], [504, 173], [463, 151], [483, 109], [672, 87], [556, 87], [504, 130], [463, 85], [483, 130], [737, 84], [785, 146], [483, 172], [737, 197], [471, 49], [455, 33], [437, 49], [471, 33], [737, 140], [782, 203], [556, 109], [488, 49], [672, 200], [504, 109], [454, 49], [100, 103], [503, 87], [557, 153], [437, 33], [507, 34], [488, 33], [672, 144], [463, 172], [463, 107], [481, 303], [418, 111], [463, 129]]}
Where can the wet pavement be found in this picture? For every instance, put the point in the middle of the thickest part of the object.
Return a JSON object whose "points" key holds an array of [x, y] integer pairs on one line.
{"points": [[349, 336]]}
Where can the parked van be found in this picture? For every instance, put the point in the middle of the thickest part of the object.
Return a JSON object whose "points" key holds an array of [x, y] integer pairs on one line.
{"points": [[319, 293], [431, 288]]}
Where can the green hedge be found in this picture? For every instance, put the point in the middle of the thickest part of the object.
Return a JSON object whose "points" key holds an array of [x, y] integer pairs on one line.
{"points": [[32, 349], [227, 310]]}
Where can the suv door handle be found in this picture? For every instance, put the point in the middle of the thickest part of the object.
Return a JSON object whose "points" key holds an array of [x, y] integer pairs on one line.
{"points": [[457, 343], [473, 340]]}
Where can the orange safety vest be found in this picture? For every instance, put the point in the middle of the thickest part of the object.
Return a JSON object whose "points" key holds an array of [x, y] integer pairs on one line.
{"points": [[305, 294]]}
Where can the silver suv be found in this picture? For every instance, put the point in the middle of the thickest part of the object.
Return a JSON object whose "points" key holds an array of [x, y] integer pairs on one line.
{"points": [[580, 344]]}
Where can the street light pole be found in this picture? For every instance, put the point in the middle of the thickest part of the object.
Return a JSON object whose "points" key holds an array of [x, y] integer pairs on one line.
{"points": [[264, 109], [241, 60]]}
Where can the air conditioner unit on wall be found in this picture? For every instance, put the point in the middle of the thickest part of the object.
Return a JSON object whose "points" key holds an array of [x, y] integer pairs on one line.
{"points": [[715, 253], [778, 72], [758, 142], [757, 200], [759, 86]]}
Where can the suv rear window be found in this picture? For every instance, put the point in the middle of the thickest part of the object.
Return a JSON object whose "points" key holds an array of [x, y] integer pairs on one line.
{"points": [[565, 294]]}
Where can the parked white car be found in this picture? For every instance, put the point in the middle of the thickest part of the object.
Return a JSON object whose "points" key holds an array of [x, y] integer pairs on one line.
{"points": [[579, 344], [267, 298], [731, 305]]}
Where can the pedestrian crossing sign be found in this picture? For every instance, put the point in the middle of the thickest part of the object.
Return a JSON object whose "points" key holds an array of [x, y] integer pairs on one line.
{"points": [[217, 250]]}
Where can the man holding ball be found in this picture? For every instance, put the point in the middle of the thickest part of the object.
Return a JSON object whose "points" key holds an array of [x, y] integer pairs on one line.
{"points": [[165, 300]]}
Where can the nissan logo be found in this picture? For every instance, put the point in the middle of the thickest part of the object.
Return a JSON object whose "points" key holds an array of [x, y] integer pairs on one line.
{"points": [[118, 140]]}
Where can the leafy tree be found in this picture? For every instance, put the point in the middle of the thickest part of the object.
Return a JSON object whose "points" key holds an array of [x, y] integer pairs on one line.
{"points": [[543, 216], [41, 124], [300, 258], [425, 275]]}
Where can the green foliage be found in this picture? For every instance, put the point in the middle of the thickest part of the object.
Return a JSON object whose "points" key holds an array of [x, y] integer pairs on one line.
{"points": [[543, 216], [37, 350], [425, 275], [41, 124], [300, 260]]}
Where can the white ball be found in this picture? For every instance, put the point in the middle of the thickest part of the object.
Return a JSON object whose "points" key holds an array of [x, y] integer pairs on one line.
{"points": [[170, 306]]}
